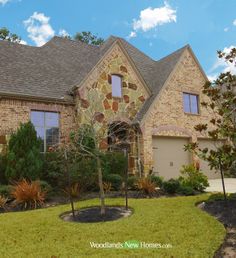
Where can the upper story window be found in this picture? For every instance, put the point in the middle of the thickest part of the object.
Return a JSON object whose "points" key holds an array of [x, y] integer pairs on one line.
{"points": [[47, 127], [191, 103], [116, 84]]}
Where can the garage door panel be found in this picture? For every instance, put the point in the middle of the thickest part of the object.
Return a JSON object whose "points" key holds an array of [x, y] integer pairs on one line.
{"points": [[169, 156], [211, 145]]}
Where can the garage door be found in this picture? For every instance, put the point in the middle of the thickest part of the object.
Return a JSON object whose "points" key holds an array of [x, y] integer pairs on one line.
{"points": [[211, 174], [169, 156]]}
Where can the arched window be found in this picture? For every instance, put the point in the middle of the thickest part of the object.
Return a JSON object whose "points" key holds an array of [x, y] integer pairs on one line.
{"points": [[116, 84]]}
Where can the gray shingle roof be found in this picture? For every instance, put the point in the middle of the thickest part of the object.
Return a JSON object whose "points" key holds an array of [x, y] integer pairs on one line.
{"points": [[51, 71]]}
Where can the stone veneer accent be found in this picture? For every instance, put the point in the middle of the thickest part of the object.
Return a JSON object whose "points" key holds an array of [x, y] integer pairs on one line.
{"points": [[166, 116], [14, 112], [95, 95]]}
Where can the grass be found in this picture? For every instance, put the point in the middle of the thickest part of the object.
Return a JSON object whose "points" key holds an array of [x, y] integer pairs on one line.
{"points": [[175, 221]]}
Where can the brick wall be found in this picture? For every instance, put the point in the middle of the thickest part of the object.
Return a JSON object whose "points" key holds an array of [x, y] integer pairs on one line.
{"points": [[166, 116], [14, 112]]}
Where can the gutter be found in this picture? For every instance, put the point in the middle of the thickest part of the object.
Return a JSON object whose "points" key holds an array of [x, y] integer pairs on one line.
{"points": [[17, 96]]}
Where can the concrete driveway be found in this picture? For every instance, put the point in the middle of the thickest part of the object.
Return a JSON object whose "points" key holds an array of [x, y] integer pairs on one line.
{"points": [[216, 185]]}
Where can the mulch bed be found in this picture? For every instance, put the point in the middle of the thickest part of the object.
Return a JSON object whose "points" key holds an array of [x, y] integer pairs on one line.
{"points": [[226, 214], [59, 198], [93, 214]]}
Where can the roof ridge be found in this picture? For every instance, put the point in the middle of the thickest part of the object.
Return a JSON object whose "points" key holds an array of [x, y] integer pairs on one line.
{"points": [[56, 37], [15, 43], [172, 53], [125, 41]]}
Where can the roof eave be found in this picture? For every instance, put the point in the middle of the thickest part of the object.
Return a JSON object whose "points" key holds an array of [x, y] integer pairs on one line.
{"points": [[198, 63], [26, 97]]}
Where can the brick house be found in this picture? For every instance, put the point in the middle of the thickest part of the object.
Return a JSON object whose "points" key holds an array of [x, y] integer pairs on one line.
{"points": [[56, 85]]}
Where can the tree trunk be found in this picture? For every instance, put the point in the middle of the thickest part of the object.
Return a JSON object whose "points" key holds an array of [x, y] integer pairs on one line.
{"points": [[69, 185], [100, 183], [222, 179]]}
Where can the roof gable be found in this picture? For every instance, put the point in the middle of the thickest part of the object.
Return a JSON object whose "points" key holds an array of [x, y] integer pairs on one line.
{"points": [[175, 61], [53, 70]]}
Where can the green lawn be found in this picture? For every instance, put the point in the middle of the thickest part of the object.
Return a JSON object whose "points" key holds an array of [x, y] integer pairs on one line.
{"points": [[175, 221]]}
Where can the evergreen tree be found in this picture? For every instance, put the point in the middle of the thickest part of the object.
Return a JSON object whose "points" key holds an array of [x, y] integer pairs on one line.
{"points": [[23, 156]]}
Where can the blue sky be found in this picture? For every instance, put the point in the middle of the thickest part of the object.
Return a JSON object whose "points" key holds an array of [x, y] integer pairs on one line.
{"points": [[156, 27]]}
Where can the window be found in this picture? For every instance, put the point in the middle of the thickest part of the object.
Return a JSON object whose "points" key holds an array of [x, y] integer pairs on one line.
{"points": [[191, 103], [47, 127], [116, 83]]}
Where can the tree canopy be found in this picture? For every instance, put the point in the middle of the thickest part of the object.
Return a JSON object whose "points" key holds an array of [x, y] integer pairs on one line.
{"points": [[88, 38], [5, 34]]}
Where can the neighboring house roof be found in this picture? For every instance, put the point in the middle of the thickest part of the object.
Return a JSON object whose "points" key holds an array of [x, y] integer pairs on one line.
{"points": [[51, 71]]}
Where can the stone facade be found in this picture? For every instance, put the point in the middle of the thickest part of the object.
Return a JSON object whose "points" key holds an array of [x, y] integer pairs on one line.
{"points": [[95, 95], [14, 112], [95, 100], [166, 117]]}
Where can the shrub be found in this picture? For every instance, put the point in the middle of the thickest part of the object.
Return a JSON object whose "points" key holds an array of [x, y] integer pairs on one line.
{"points": [[84, 171], [3, 202], [51, 170], [114, 163], [146, 186], [23, 156], [28, 195], [171, 186], [114, 179], [186, 190], [3, 165], [45, 186], [5, 190], [157, 180], [193, 178], [132, 182]]}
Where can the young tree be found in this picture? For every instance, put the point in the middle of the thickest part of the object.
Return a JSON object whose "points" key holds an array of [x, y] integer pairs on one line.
{"points": [[222, 104], [95, 135], [23, 155], [73, 178], [5, 34], [88, 38]]}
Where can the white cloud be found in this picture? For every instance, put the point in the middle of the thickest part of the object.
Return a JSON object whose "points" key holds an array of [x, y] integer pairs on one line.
{"points": [[39, 29], [63, 33], [150, 18], [2, 2], [212, 77], [234, 22], [23, 42], [226, 29], [221, 66], [132, 34]]}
